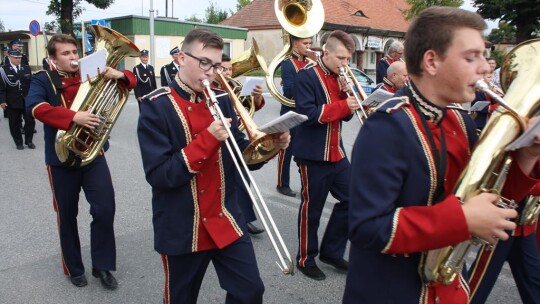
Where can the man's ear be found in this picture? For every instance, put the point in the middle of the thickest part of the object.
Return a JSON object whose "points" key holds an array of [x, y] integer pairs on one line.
{"points": [[181, 58], [431, 62]]}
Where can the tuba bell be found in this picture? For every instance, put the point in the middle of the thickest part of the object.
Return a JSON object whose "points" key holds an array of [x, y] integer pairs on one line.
{"points": [[300, 18], [79, 146], [489, 163]]}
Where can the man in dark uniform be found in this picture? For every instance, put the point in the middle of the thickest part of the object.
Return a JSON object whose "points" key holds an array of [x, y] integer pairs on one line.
{"points": [[289, 69], [49, 100], [318, 150], [168, 71], [17, 44], [14, 84], [406, 161], [196, 216], [395, 51], [396, 77], [146, 77], [5, 55]]}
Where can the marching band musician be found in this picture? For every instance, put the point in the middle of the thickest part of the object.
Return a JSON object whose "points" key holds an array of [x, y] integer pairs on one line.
{"points": [[407, 159], [168, 71], [14, 84], [146, 78], [318, 151], [246, 206], [49, 100], [522, 254], [289, 68], [395, 51], [396, 77], [196, 217]]}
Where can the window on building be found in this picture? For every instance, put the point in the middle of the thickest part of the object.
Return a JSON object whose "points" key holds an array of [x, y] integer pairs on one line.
{"points": [[227, 48], [372, 57]]}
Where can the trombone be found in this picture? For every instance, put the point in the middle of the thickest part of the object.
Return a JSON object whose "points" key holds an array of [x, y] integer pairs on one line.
{"points": [[285, 261], [346, 74]]}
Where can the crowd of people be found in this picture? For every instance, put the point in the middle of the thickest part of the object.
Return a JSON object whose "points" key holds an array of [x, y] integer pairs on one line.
{"points": [[395, 194]]}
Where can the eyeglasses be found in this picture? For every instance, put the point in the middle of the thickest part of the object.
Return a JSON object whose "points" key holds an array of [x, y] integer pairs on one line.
{"points": [[206, 65]]}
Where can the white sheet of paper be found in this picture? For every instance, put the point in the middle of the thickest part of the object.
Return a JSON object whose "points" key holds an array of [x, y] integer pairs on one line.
{"points": [[479, 106], [250, 84], [527, 138], [283, 123], [89, 65], [377, 98]]}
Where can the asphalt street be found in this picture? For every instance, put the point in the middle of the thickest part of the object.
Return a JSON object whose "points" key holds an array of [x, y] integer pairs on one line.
{"points": [[30, 268]]}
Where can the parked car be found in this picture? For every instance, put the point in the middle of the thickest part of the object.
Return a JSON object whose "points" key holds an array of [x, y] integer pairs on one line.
{"points": [[367, 83]]}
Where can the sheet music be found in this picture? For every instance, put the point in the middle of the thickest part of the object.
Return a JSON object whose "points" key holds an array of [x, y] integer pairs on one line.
{"points": [[283, 123], [527, 138], [250, 84], [377, 98], [479, 106], [89, 65]]}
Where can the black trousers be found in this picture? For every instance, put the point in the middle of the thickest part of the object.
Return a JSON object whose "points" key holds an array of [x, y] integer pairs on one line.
{"points": [[95, 180], [235, 266], [15, 117]]}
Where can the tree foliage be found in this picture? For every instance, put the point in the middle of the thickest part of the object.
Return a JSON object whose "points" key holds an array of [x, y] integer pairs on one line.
{"points": [[240, 4], [2, 28], [419, 5], [215, 15], [523, 14], [504, 33], [194, 18], [68, 10]]}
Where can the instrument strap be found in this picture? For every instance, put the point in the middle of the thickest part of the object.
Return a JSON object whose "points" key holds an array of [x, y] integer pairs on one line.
{"points": [[440, 158]]}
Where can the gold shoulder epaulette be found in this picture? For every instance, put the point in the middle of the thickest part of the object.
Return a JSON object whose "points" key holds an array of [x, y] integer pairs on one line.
{"points": [[156, 93], [401, 101], [456, 106], [310, 65]]}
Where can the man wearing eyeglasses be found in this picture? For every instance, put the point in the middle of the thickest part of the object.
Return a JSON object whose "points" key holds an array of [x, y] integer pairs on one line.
{"points": [[395, 51], [196, 216]]}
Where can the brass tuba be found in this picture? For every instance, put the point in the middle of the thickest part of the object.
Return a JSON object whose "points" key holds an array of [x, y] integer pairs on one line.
{"points": [[79, 146], [490, 162], [300, 18], [247, 62]]}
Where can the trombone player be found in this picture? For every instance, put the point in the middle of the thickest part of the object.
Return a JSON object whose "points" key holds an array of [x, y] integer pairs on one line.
{"points": [[196, 217], [320, 155]]}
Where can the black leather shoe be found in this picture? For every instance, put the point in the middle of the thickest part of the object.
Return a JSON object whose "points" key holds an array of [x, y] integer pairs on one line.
{"points": [[340, 264], [79, 281], [252, 229], [313, 272], [31, 146], [107, 279], [20, 147], [286, 191]]}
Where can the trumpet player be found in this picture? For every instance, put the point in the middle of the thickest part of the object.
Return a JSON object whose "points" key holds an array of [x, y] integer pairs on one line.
{"points": [[320, 155], [196, 217], [407, 159], [49, 100]]}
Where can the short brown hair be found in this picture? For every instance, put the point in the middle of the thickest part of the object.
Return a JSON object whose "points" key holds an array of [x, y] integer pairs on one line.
{"points": [[60, 38], [204, 36], [342, 37], [433, 29]]}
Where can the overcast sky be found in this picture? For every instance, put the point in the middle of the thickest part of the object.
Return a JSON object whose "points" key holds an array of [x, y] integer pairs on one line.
{"points": [[17, 14]]}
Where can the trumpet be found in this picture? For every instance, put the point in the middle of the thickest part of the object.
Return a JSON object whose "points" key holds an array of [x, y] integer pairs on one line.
{"points": [[346, 74], [285, 261]]}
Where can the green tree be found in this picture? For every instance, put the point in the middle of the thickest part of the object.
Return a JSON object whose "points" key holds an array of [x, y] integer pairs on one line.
{"points": [[51, 27], [194, 18], [523, 14], [215, 15], [240, 4], [419, 5], [2, 28], [68, 10], [499, 56], [505, 32]]}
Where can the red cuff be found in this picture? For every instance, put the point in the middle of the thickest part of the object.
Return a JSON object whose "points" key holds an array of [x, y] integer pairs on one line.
{"points": [[56, 117], [257, 108], [199, 151], [517, 184], [421, 228], [334, 111], [130, 82]]}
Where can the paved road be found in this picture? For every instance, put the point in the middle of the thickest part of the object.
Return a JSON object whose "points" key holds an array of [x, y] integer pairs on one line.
{"points": [[30, 270]]}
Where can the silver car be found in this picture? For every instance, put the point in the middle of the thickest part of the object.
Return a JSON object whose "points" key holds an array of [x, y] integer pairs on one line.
{"points": [[365, 81]]}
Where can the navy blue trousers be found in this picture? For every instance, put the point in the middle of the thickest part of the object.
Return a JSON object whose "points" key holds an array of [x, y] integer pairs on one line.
{"points": [[15, 117], [524, 260], [244, 201], [236, 268], [285, 156], [319, 179], [95, 180]]}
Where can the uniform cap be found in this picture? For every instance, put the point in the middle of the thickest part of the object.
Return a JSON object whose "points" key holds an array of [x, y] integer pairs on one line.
{"points": [[16, 42], [175, 50], [15, 53], [5, 49], [144, 53]]}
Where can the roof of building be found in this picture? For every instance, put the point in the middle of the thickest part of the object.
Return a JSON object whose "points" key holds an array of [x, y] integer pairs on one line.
{"points": [[375, 14]]}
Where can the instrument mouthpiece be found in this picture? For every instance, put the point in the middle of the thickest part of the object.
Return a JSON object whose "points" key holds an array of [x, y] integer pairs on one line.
{"points": [[205, 82], [481, 85], [74, 63]]}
